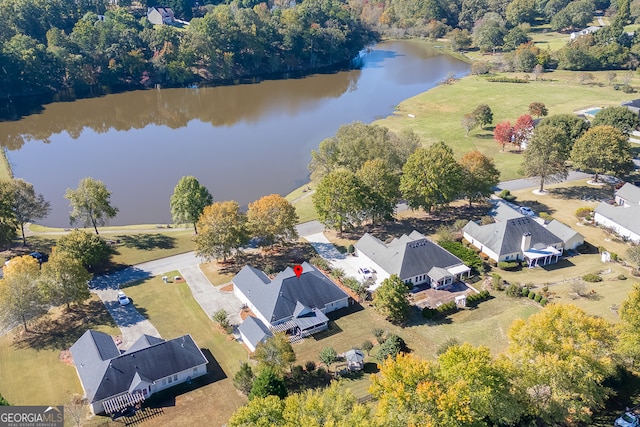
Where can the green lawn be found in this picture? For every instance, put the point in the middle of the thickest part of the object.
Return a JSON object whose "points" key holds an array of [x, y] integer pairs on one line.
{"points": [[301, 199], [31, 372], [174, 312]]}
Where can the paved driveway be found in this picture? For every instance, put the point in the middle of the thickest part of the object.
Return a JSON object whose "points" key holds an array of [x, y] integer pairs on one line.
{"points": [[211, 298]]}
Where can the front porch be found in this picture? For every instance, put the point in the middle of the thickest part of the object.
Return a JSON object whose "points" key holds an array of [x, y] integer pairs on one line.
{"points": [[535, 257]]}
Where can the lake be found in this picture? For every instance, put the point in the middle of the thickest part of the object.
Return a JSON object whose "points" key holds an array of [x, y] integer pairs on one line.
{"points": [[242, 142]]}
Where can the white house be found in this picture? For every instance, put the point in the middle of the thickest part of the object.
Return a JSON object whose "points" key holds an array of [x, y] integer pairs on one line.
{"points": [[571, 239], [622, 220], [416, 259], [113, 381], [289, 303], [159, 15], [588, 30], [627, 195]]}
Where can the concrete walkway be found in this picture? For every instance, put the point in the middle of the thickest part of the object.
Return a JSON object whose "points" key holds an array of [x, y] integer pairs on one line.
{"points": [[211, 298]]}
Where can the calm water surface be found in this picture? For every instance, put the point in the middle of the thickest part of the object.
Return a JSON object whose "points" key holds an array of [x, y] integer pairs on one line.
{"points": [[241, 142]]}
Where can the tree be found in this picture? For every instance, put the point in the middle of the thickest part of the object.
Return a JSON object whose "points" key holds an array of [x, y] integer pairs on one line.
{"points": [[268, 382], [522, 130], [90, 203], [77, 407], [223, 230], [8, 221], [188, 201], [328, 356], [503, 133], [27, 205], [633, 254], [489, 32], [603, 149], [391, 347], [469, 122], [618, 117], [521, 12], [381, 183], [339, 200], [391, 299], [572, 126], [273, 219], [538, 109], [91, 250], [546, 155], [562, 357], [243, 379], [20, 296], [483, 115], [259, 412], [480, 176], [276, 352], [514, 38], [65, 279], [628, 342], [431, 177]]}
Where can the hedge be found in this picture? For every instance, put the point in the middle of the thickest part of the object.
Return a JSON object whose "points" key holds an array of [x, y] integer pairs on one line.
{"points": [[468, 256], [508, 265], [592, 277]]}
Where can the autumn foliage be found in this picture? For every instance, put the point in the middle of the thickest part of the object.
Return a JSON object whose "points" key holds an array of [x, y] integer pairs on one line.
{"points": [[503, 133]]}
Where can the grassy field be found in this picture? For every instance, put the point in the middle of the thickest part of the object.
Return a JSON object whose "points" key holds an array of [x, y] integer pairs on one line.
{"points": [[31, 371], [174, 312]]}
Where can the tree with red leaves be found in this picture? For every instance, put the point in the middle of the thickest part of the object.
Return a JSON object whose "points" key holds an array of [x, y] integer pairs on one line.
{"points": [[503, 133], [522, 130]]}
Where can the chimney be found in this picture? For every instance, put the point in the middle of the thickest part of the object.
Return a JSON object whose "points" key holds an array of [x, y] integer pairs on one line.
{"points": [[526, 242]]}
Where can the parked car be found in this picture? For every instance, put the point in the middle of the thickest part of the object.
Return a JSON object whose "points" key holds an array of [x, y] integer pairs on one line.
{"points": [[365, 273], [40, 257], [123, 299], [631, 418], [527, 211]]}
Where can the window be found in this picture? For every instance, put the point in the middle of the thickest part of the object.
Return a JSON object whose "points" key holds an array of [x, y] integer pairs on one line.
{"points": [[164, 381], [170, 380], [175, 377]]}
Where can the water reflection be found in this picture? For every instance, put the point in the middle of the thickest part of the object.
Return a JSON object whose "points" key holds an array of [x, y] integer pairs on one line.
{"points": [[242, 142]]}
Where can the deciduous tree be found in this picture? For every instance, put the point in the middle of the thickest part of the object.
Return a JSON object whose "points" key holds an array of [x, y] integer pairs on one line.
{"points": [[603, 149], [223, 230], [572, 126], [545, 156], [259, 412], [276, 352], [340, 200], [483, 115], [188, 201], [91, 250], [538, 109], [503, 133], [431, 177], [21, 299], [522, 130], [27, 205], [391, 299], [562, 356], [618, 117], [628, 343], [381, 183], [65, 279], [468, 122], [268, 382], [328, 356], [480, 176], [8, 221], [273, 219], [90, 203]]}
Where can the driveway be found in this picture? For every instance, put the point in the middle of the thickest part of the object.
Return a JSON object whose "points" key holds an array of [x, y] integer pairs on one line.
{"points": [[211, 298], [523, 183], [132, 324]]}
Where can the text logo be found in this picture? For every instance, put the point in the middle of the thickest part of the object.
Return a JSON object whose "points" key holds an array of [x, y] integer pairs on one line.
{"points": [[31, 416]]}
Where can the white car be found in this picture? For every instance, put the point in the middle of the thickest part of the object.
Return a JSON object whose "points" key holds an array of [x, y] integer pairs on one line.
{"points": [[365, 273], [123, 299], [527, 211]]}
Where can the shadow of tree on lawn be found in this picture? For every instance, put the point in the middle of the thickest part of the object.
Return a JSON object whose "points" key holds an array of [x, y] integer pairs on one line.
{"points": [[148, 242]]}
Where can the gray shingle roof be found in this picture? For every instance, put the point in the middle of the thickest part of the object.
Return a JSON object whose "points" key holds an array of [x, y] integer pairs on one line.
{"points": [[503, 212], [505, 237], [409, 256], [254, 330], [627, 217], [563, 231], [106, 378], [630, 193], [276, 300], [91, 354], [143, 342]]}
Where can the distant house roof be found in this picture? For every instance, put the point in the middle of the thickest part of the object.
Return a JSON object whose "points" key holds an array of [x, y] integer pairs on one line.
{"points": [[626, 217], [563, 231], [588, 30], [506, 237], [254, 330], [277, 299], [630, 193], [118, 373], [409, 256], [501, 211]]}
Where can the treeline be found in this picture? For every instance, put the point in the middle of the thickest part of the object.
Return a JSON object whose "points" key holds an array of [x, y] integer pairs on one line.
{"points": [[65, 46]]}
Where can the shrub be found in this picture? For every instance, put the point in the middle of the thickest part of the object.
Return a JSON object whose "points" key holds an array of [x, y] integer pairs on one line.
{"points": [[591, 278], [508, 265], [538, 298], [496, 281], [622, 277], [531, 295], [319, 262], [459, 224], [506, 195], [310, 366], [545, 216], [506, 80], [338, 273], [378, 333], [447, 307], [583, 213], [614, 257], [351, 249], [428, 312], [601, 249], [392, 346], [468, 256], [297, 372], [367, 346], [524, 291], [486, 220], [543, 302], [513, 290]]}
